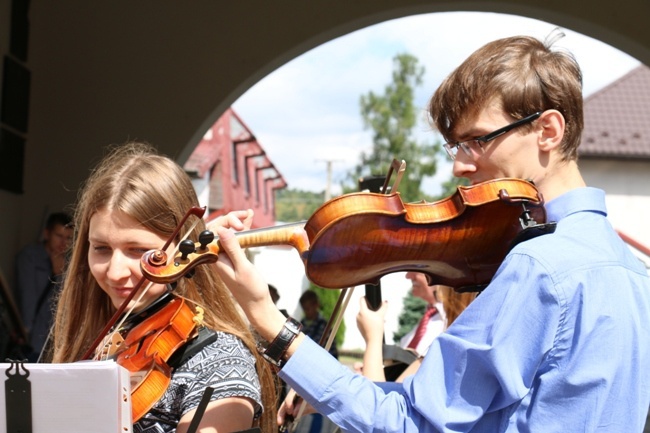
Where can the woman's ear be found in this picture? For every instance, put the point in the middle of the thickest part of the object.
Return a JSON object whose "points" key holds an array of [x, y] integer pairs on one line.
{"points": [[551, 128]]}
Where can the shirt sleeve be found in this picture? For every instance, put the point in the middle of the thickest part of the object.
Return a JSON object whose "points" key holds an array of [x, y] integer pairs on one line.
{"points": [[351, 401], [485, 362]]}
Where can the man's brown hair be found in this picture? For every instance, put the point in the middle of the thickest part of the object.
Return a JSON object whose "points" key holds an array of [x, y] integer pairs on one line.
{"points": [[521, 73]]}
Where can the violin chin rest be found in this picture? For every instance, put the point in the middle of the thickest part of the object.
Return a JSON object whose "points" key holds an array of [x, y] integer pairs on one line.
{"points": [[532, 232]]}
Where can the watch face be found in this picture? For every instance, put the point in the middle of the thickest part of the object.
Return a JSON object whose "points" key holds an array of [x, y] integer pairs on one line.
{"points": [[293, 325]]}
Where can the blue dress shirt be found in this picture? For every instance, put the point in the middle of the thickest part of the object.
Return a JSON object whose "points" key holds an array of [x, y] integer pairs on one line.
{"points": [[558, 342]]}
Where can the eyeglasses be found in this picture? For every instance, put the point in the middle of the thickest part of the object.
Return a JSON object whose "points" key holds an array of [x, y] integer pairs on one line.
{"points": [[452, 148]]}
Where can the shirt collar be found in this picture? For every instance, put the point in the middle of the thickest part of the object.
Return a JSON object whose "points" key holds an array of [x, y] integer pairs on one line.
{"points": [[576, 200]]}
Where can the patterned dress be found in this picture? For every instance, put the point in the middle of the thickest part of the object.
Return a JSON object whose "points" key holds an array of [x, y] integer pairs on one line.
{"points": [[226, 365]]}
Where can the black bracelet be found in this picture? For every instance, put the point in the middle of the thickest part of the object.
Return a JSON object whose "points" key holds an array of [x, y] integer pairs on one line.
{"points": [[275, 351]]}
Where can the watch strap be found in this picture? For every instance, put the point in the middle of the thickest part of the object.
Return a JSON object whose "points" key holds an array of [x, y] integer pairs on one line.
{"points": [[275, 351]]}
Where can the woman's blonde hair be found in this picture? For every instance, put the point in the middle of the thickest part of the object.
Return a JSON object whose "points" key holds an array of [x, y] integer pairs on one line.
{"points": [[155, 191]]}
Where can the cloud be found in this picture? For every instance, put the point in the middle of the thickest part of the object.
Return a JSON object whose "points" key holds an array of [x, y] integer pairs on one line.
{"points": [[307, 111]]}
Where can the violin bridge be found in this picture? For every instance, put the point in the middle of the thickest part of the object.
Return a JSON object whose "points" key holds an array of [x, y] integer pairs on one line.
{"points": [[110, 346]]}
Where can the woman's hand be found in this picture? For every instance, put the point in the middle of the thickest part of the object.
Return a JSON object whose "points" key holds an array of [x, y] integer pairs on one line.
{"points": [[237, 220]]}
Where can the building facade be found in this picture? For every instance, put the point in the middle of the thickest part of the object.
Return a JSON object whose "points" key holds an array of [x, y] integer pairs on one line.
{"points": [[230, 171]]}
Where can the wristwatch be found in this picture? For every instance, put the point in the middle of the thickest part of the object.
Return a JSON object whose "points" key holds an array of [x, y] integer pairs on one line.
{"points": [[274, 352]]}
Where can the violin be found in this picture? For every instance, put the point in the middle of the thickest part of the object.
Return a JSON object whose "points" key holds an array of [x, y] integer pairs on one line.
{"points": [[148, 346], [357, 238]]}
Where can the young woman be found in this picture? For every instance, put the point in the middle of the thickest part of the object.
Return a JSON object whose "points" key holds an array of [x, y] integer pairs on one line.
{"points": [[132, 202]]}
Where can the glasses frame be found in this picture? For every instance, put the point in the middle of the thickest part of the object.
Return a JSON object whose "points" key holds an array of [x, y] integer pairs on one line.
{"points": [[452, 148]]}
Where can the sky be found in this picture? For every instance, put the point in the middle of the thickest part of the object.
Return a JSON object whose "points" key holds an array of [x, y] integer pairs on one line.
{"points": [[307, 112]]}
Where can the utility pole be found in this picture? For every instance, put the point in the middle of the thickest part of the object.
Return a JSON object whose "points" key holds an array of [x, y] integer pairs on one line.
{"points": [[328, 185]]}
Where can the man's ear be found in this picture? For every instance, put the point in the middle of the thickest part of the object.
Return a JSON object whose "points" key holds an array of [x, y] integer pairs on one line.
{"points": [[551, 130]]}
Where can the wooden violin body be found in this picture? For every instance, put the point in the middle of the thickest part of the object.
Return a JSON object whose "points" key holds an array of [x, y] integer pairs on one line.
{"points": [[148, 346], [357, 238], [459, 241]]}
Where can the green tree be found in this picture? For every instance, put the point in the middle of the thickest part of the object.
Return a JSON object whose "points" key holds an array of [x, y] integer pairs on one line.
{"points": [[392, 116], [292, 205], [412, 310]]}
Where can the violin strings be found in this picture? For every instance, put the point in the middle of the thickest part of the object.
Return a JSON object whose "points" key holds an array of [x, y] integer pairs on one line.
{"points": [[118, 326]]}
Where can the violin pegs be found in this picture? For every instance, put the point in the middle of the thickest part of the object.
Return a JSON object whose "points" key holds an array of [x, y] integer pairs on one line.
{"points": [[186, 248], [206, 237]]}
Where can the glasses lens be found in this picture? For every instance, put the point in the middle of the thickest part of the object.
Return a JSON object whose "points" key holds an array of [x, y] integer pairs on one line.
{"points": [[452, 150]]}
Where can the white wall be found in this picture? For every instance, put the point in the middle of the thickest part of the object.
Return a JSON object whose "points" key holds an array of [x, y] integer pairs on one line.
{"points": [[627, 185]]}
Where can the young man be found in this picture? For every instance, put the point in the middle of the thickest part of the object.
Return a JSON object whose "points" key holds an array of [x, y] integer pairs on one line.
{"points": [[559, 340]]}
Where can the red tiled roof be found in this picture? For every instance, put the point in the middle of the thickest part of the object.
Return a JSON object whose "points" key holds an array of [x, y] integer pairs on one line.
{"points": [[617, 118]]}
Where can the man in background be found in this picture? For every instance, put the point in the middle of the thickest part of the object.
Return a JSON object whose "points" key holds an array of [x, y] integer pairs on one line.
{"points": [[39, 269], [313, 322]]}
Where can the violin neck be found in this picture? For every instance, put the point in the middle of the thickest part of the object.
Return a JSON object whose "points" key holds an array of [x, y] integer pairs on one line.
{"points": [[155, 268], [286, 234]]}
